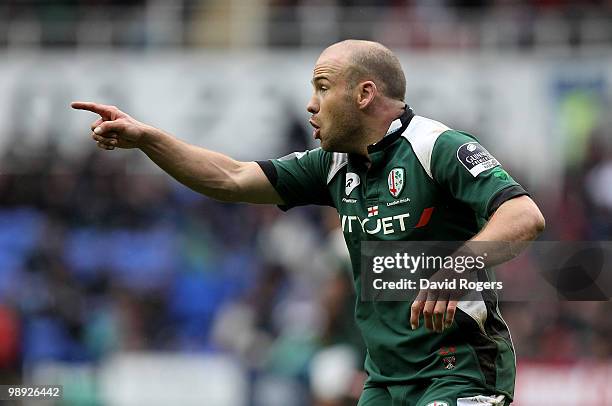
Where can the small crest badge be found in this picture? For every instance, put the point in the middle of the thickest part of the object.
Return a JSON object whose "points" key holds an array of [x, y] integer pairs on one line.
{"points": [[449, 362], [396, 181]]}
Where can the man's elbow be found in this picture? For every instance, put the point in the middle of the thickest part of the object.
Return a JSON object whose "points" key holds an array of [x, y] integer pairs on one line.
{"points": [[529, 216], [540, 223], [537, 221]]}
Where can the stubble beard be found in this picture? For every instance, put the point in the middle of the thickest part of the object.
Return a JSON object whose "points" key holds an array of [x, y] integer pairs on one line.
{"points": [[345, 134]]}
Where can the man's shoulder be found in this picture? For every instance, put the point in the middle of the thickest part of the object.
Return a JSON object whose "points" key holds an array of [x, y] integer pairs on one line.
{"points": [[421, 127], [422, 134], [329, 164], [332, 163], [426, 135]]}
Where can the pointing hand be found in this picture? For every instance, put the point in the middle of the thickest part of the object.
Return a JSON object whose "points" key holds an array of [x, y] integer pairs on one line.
{"points": [[114, 128]]}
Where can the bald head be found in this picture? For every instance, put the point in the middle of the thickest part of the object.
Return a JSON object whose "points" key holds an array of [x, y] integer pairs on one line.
{"points": [[358, 90], [368, 60]]}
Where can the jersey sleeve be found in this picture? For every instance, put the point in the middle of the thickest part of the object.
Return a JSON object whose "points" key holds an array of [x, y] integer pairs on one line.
{"points": [[471, 174], [300, 178]]}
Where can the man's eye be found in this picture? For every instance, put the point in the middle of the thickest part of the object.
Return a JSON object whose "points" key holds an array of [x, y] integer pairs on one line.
{"points": [[323, 88]]}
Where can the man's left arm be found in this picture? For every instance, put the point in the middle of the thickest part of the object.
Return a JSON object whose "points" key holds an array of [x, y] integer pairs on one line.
{"points": [[515, 223], [473, 176]]}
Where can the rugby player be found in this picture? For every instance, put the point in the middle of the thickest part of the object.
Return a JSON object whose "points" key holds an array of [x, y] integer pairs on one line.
{"points": [[412, 178]]}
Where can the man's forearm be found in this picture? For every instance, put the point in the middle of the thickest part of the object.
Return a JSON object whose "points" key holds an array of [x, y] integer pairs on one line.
{"points": [[513, 225], [210, 173]]}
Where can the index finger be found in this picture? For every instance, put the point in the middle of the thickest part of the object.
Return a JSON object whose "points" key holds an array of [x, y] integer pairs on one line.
{"points": [[101, 109]]}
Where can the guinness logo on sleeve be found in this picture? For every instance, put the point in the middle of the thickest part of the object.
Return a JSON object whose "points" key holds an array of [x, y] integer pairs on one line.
{"points": [[475, 158]]}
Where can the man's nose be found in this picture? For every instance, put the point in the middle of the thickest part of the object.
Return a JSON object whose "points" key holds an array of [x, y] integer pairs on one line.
{"points": [[313, 106]]}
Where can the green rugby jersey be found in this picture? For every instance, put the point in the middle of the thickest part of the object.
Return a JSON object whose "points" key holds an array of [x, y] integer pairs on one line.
{"points": [[425, 182]]}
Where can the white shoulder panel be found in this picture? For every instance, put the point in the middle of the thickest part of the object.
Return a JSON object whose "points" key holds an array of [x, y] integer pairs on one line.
{"points": [[339, 159], [422, 134]]}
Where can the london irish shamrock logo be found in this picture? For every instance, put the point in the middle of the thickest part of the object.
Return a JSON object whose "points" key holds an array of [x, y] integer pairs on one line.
{"points": [[396, 181]]}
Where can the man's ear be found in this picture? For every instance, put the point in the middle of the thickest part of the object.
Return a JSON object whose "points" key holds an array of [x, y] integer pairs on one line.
{"points": [[367, 93]]}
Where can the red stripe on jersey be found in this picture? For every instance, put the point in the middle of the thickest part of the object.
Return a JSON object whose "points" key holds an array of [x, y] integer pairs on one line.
{"points": [[425, 217]]}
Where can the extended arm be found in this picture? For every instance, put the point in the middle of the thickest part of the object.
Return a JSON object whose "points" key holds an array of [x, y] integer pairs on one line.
{"points": [[210, 173]]}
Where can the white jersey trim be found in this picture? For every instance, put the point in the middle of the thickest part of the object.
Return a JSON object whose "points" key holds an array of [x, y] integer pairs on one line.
{"points": [[339, 160], [476, 309], [481, 401], [422, 133]]}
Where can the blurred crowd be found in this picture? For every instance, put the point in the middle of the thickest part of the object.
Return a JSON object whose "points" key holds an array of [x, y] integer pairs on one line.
{"points": [[416, 24], [96, 259]]}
